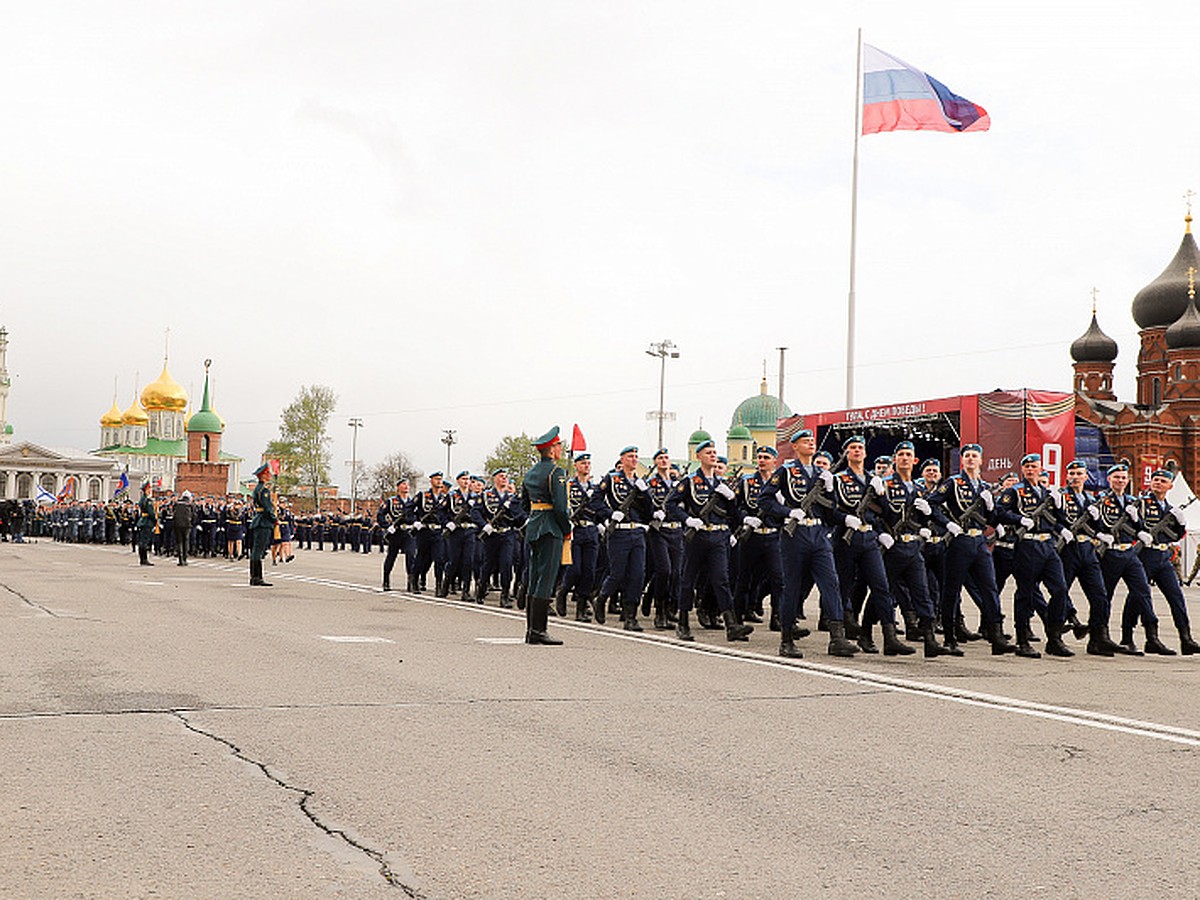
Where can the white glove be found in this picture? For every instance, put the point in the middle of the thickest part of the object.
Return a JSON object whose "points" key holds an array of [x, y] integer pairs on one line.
{"points": [[693, 522], [1000, 531], [1146, 538], [886, 541], [450, 526], [796, 514], [922, 506], [733, 540], [641, 485], [487, 529], [925, 533], [659, 514], [1094, 512], [853, 522], [1179, 516], [1026, 522], [826, 479], [391, 529], [1134, 515], [1105, 538], [987, 499], [877, 485], [725, 491], [954, 528], [418, 525], [618, 516], [1066, 535], [752, 522], [600, 528], [1057, 498]]}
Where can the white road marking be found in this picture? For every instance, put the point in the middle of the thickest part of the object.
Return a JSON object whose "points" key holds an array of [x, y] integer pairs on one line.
{"points": [[355, 639], [159, 583], [504, 640]]}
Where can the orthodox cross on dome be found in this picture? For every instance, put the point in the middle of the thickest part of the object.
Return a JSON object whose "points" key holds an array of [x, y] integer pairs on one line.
{"points": [[1095, 291], [166, 343], [1187, 199]]}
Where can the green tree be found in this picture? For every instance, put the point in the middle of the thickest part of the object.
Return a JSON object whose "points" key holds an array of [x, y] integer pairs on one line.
{"points": [[304, 430], [516, 453], [285, 452], [381, 478]]}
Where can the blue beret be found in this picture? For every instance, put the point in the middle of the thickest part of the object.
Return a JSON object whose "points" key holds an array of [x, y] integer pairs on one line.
{"points": [[767, 449], [629, 448], [882, 459], [1076, 464], [662, 452], [1163, 473], [722, 459], [499, 471], [802, 433], [975, 447], [905, 445], [580, 457], [1031, 458], [826, 454], [461, 474], [1118, 467], [931, 462], [704, 445], [437, 474], [854, 439]]}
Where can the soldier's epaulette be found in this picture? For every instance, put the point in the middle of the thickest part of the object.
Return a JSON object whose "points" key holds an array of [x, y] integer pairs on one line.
{"points": [[788, 463], [774, 479]]}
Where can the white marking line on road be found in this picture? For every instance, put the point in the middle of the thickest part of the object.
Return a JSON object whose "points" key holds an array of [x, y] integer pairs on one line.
{"points": [[489, 640], [355, 639], [159, 583]]}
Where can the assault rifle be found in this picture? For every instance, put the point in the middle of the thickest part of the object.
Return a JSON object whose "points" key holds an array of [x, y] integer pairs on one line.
{"points": [[705, 511], [627, 503], [814, 496], [860, 509], [1121, 523], [1079, 525], [1158, 530], [500, 512], [1037, 514]]}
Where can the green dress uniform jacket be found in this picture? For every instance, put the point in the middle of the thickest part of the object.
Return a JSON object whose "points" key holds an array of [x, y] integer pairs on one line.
{"points": [[262, 526]]}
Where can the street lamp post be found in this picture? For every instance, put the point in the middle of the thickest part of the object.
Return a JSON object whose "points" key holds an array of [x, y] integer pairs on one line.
{"points": [[449, 440], [355, 423], [662, 349]]}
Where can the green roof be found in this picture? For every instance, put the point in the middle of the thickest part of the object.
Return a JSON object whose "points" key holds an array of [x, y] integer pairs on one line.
{"points": [[699, 435], [205, 421], [739, 433], [759, 412], [154, 447]]}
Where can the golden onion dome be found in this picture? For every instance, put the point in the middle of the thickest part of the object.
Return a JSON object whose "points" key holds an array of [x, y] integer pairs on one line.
{"points": [[135, 415], [164, 393], [112, 418]]}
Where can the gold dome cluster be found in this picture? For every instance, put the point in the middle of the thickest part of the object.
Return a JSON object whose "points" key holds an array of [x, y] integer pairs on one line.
{"points": [[164, 393], [135, 415], [112, 418]]}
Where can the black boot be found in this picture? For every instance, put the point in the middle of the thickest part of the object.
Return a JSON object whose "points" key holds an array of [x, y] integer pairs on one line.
{"points": [[734, 631], [892, 645], [614, 607], [850, 623], [932, 647], [1187, 646], [912, 627], [1054, 641], [995, 634], [865, 644], [838, 645], [466, 591], [1079, 629], [683, 630], [505, 600], [660, 617], [704, 620], [560, 600], [787, 645], [1128, 647], [1153, 644], [1099, 643], [962, 634], [442, 587], [773, 624], [631, 620], [536, 617], [387, 585], [481, 590], [1024, 648], [600, 608], [647, 600], [581, 608]]}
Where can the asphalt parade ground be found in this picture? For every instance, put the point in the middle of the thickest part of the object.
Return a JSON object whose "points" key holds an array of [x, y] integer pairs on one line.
{"points": [[173, 732]]}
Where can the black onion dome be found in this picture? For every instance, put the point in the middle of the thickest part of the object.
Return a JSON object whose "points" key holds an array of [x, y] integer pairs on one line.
{"points": [[1185, 332], [1164, 299], [1094, 345]]}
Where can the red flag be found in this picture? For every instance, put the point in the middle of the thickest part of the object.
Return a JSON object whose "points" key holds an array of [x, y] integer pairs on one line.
{"points": [[274, 464], [577, 440]]}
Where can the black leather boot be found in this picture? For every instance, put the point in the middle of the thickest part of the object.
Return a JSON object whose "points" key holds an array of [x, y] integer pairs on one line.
{"points": [[631, 618], [1153, 644], [582, 613], [537, 616], [1079, 629], [466, 597], [481, 590], [1054, 641], [912, 628], [599, 608], [1000, 644], [838, 644], [1024, 648], [865, 643], [647, 600], [1097, 646], [962, 634], [1187, 646], [787, 645], [683, 630], [734, 631], [560, 600], [892, 645], [932, 647], [442, 587], [660, 617], [387, 584], [505, 600], [1128, 647]]}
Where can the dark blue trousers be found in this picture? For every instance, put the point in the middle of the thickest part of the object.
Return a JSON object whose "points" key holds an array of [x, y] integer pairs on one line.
{"points": [[706, 561], [1034, 563], [498, 555], [665, 549], [1081, 564], [1124, 565], [807, 559], [905, 565], [968, 556], [1160, 573], [460, 555], [760, 563], [626, 565], [581, 574], [861, 561]]}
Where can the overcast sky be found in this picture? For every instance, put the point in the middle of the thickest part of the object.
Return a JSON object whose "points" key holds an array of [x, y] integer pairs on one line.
{"points": [[478, 215]]}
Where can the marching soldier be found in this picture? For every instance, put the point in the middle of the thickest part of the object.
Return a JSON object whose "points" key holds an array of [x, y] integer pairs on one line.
{"points": [[396, 515], [627, 499], [504, 516], [760, 566], [664, 545], [966, 502], [583, 498], [544, 493], [430, 516], [462, 524], [703, 502], [1163, 526]]}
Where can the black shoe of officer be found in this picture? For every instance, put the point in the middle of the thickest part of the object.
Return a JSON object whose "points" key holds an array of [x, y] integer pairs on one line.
{"points": [[683, 630], [387, 586], [932, 647], [962, 634], [1127, 646], [599, 607], [1000, 643], [1079, 629], [892, 645], [582, 614], [1153, 644], [734, 631], [787, 645], [1098, 646], [660, 620], [1024, 649], [560, 601]]}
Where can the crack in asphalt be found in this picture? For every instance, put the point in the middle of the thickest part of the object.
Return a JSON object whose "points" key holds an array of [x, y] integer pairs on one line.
{"points": [[385, 869], [29, 602]]}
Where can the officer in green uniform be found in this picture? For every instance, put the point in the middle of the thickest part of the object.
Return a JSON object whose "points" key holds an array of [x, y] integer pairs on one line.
{"points": [[544, 494], [147, 520], [262, 526]]}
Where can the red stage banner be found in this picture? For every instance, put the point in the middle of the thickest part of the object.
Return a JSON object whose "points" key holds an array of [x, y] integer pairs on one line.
{"points": [[1001, 414], [1050, 431]]}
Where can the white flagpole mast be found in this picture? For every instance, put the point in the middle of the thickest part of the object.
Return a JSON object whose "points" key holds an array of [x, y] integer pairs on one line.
{"points": [[858, 80]]}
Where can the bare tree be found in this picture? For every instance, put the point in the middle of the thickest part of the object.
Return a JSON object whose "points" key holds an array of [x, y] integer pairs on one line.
{"points": [[381, 478]]}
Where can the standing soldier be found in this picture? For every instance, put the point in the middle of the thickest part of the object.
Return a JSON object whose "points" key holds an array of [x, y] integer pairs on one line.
{"points": [[1162, 526], [146, 524], [703, 502], [504, 517], [184, 518], [544, 492], [262, 526], [627, 498], [395, 516]]}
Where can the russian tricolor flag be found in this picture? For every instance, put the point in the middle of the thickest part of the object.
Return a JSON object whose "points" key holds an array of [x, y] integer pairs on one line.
{"points": [[897, 97]]}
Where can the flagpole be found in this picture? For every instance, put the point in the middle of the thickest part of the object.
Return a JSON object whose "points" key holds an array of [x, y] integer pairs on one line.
{"points": [[858, 79]]}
